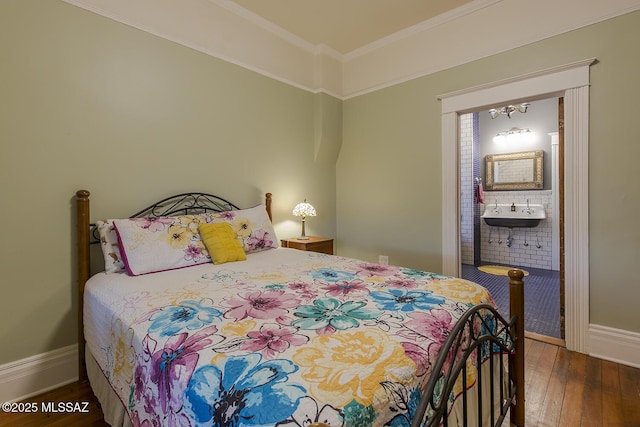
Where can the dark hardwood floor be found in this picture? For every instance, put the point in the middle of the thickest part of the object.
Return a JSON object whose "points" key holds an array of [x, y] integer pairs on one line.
{"points": [[563, 388], [74, 392]]}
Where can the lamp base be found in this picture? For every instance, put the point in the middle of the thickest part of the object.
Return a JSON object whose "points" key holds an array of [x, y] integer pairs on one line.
{"points": [[303, 235]]}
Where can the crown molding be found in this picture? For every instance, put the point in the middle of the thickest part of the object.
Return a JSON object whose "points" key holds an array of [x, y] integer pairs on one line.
{"points": [[259, 21], [208, 25], [267, 49], [416, 55], [408, 32]]}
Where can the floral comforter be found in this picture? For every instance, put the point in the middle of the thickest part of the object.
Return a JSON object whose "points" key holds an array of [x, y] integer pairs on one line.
{"points": [[283, 339]]}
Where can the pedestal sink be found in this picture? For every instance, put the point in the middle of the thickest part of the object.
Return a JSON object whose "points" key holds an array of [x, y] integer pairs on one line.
{"points": [[515, 215]]}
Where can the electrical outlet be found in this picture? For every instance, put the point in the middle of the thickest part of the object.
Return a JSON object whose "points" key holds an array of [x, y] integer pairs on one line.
{"points": [[383, 259]]}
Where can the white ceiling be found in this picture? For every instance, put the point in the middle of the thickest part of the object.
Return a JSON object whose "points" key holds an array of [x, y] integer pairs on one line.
{"points": [[345, 25]]}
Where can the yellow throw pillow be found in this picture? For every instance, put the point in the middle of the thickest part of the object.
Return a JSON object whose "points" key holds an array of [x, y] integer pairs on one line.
{"points": [[221, 242]]}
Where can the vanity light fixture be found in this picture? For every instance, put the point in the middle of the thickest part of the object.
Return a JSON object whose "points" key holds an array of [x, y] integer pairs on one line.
{"points": [[514, 135], [509, 110], [304, 210]]}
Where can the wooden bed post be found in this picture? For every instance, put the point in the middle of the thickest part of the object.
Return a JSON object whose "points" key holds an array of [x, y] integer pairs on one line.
{"points": [[83, 238], [516, 371], [267, 201]]}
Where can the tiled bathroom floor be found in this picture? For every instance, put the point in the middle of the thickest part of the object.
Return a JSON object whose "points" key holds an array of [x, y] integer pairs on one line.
{"points": [[541, 297]]}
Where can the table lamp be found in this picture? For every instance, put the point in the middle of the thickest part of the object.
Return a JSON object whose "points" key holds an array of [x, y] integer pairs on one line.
{"points": [[304, 210]]}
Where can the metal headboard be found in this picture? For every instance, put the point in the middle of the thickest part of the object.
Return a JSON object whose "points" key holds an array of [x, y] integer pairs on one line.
{"points": [[179, 204], [186, 204]]}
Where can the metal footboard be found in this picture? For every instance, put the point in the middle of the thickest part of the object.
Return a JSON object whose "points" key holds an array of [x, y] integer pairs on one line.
{"points": [[485, 338]]}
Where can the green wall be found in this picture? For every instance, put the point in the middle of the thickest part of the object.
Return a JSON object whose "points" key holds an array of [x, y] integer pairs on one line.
{"points": [[88, 103], [389, 169]]}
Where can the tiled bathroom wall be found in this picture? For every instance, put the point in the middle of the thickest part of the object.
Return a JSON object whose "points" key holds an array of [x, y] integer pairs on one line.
{"points": [[530, 247]]}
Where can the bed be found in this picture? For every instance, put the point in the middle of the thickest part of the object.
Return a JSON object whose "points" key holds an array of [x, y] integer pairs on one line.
{"points": [[201, 319]]}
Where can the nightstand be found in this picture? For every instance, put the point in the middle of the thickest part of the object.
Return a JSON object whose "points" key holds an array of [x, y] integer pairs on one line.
{"points": [[314, 244]]}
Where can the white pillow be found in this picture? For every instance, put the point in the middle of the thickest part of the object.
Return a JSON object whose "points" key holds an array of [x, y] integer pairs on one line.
{"points": [[150, 245]]}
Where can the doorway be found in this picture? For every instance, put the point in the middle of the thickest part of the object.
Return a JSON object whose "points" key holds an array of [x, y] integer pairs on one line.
{"points": [[531, 128], [570, 81]]}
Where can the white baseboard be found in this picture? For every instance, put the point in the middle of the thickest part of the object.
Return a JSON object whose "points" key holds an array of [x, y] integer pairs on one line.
{"points": [[38, 374], [616, 345]]}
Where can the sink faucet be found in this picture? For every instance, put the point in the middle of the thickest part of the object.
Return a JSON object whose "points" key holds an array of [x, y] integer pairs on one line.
{"points": [[528, 209]]}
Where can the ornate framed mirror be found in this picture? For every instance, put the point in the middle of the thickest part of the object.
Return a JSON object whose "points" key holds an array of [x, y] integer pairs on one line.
{"points": [[515, 171]]}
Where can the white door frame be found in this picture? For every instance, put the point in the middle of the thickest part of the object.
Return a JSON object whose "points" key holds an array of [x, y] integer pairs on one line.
{"points": [[570, 81]]}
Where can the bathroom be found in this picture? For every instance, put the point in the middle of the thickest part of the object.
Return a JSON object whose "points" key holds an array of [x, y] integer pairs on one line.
{"points": [[526, 130]]}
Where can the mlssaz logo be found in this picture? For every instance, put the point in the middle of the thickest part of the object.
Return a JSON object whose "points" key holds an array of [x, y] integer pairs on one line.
{"points": [[65, 407]]}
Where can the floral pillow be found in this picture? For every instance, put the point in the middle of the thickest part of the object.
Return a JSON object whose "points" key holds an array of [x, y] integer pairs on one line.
{"points": [[150, 245], [110, 249], [252, 226]]}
